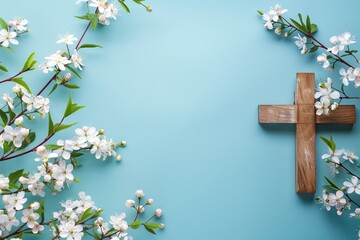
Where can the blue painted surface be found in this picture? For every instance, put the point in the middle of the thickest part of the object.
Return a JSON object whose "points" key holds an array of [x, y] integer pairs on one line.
{"points": [[182, 85]]}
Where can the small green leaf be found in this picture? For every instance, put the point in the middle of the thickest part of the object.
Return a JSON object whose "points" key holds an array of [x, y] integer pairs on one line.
{"points": [[297, 24], [152, 225], [71, 108], [260, 12], [308, 24], [30, 62], [53, 89], [327, 142], [313, 49], [52, 146], [72, 86], [4, 117], [333, 185], [124, 6], [86, 214], [51, 125], [150, 230], [314, 28], [22, 83], [88, 45], [2, 68], [14, 176], [58, 127], [136, 224], [11, 114], [3, 24], [301, 20]]}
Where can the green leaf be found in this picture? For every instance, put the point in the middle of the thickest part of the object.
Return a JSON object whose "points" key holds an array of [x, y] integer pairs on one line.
{"points": [[58, 127], [297, 24], [72, 86], [150, 230], [136, 224], [11, 114], [3, 24], [51, 125], [314, 28], [333, 185], [53, 89], [86, 214], [2, 68], [4, 117], [313, 49], [55, 226], [7, 147], [301, 20], [71, 108], [308, 24], [14, 176], [22, 83], [138, 1], [152, 225], [73, 71], [327, 142], [88, 45], [260, 12], [52, 146], [30, 62], [84, 17], [124, 6]]}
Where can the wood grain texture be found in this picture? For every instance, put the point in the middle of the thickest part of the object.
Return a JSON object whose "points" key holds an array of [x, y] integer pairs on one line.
{"points": [[305, 133], [344, 114], [277, 114], [305, 158], [305, 88]]}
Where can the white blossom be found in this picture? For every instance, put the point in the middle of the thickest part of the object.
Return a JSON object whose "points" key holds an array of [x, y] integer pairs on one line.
{"points": [[68, 39], [301, 43], [334, 156], [7, 37], [322, 59], [353, 185]]}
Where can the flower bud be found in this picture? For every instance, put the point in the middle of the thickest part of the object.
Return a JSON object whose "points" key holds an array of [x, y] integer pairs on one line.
{"points": [[141, 209], [47, 178], [129, 203], [139, 193], [41, 150], [334, 106], [101, 131], [286, 34], [31, 117], [149, 8], [35, 206], [66, 77], [162, 225], [10, 23], [278, 30], [158, 212], [150, 201], [123, 143], [18, 121], [118, 157], [24, 132], [16, 89], [23, 180]]}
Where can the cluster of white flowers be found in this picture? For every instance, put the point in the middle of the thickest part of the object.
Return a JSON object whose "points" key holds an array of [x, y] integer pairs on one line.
{"points": [[70, 215], [106, 10], [340, 42], [336, 200], [39, 103], [16, 27], [350, 75], [15, 203], [301, 43], [59, 60], [15, 136], [325, 94], [333, 159], [273, 16], [4, 183]]}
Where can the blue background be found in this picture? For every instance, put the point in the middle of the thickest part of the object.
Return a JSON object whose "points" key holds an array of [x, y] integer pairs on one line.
{"points": [[182, 85]]}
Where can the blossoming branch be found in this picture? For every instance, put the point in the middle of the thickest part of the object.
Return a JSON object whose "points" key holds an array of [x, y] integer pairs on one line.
{"points": [[57, 161]]}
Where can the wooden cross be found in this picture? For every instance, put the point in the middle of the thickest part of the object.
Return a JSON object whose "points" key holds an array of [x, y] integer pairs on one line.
{"points": [[303, 115]]}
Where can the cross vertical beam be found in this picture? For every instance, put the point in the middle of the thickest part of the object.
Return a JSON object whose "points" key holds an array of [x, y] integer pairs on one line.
{"points": [[305, 134]]}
